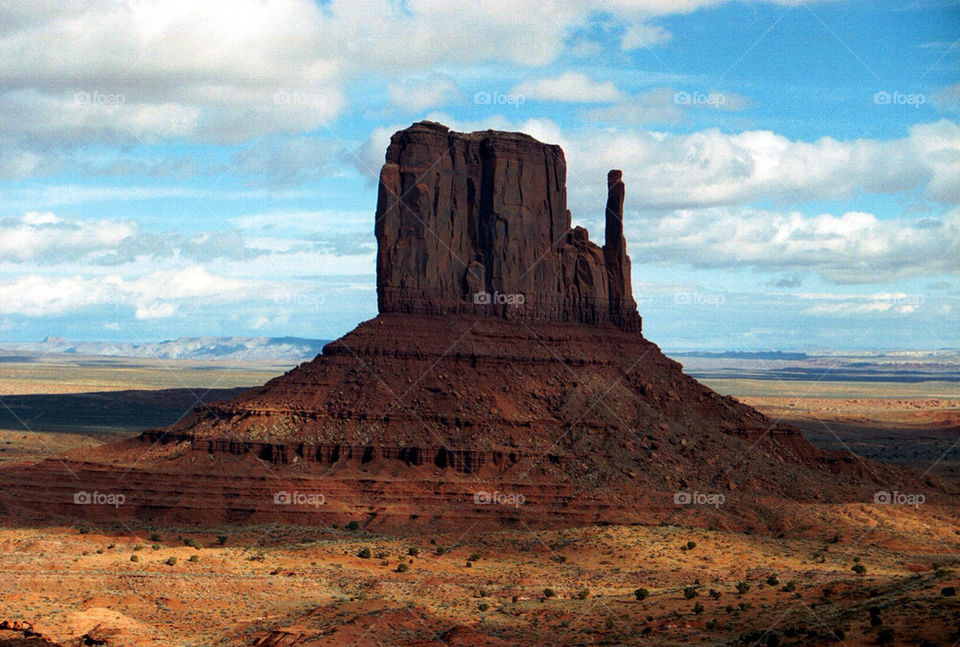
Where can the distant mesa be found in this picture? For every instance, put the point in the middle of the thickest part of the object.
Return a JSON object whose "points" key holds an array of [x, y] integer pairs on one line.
{"points": [[478, 223]]}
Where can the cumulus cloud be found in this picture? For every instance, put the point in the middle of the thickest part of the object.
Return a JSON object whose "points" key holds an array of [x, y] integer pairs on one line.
{"points": [[569, 87], [152, 295], [417, 95], [852, 248], [44, 238]]}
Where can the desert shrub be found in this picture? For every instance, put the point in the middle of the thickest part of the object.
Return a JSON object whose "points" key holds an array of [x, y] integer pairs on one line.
{"points": [[790, 586], [364, 553], [83, 531], [353, 525], [742, 587], [474, 557], [413, 551], [193, 558], [468, 565], [155, 546], [691, 545], [192, 543], [548, 592], [690, 592], [155, 537], [134, 558], [221, 540], [772, 580], [885, 636], [948, 591], [641, 594], [715, 594], [171, 561], [403, 568], [859, 569], [482, 607], [583, 594], [698, 608]]}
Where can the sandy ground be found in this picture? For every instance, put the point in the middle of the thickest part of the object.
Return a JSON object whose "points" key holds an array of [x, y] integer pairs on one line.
{"points": [[70, 582]]}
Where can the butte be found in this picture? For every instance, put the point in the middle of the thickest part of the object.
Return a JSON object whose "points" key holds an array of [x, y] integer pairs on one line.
{"points": [[504, 381]]}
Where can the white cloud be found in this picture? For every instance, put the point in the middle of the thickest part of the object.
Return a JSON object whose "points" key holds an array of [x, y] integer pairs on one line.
{"points": [[47, 239], [152, 295], [709, 167], [155, 310], [851, 248], [643, 35], [656, 106], [417, 95], [569, 87]]}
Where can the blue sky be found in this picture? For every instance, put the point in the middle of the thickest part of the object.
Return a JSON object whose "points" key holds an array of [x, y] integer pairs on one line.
{"points": [[179, 169]]}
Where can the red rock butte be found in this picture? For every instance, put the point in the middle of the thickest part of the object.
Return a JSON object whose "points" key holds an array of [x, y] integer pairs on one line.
{"points": [[507, 357], [478, 224]]}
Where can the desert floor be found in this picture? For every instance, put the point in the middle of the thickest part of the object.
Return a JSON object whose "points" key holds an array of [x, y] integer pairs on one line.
{"points": [[283, 585]]}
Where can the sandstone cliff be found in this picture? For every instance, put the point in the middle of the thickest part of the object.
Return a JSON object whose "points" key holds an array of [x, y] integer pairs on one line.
{"points": [[478, 223]]}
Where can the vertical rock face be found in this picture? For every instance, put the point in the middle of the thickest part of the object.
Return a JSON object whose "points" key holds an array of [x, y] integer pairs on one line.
{"points": [[478, 223]]}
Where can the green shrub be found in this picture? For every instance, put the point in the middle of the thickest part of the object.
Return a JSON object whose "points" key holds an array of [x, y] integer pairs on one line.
{"points": [[483, 606], [403, 568], [859, 569], [221, 540], [698, 608], [690, 592], [583, 594], [192, 543], [772, 580], [155, 537], [790, 586], [474, 557], [364, 553], [134, 558], [171, 561], [193, 558], [641, 594], [413, 551], [548, 592], [353, 525], [742, 587]]}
